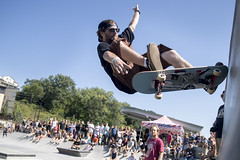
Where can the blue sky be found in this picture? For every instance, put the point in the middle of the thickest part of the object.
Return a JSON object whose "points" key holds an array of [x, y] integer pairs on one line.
{"points": [[43, 38]]}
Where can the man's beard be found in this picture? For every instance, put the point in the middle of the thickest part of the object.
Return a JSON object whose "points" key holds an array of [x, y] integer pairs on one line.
{"points": [[110, 39]]}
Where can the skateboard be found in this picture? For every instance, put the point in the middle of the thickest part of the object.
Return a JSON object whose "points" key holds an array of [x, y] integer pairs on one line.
{"points": [[150, 82], [87, 148]]}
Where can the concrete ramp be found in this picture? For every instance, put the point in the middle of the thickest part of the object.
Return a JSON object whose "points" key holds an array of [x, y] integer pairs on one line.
{"points": [[10, 154], [73, 152], [231, 130]]}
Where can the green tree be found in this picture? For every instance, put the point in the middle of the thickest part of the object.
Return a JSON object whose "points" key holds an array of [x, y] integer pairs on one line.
{"points": [[5, 109], [96, 104], [33, 91], [59, 91], [17, 113]]}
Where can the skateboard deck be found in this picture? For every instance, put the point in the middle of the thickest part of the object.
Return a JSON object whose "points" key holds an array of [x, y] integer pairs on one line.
{"points": [[150, 82]]}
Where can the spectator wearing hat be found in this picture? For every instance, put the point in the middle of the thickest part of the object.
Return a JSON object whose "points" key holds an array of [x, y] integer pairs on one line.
{"points": [[97, 129]]}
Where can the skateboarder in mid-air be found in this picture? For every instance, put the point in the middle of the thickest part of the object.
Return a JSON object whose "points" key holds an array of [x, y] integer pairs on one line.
{"points": [[121, 62]]}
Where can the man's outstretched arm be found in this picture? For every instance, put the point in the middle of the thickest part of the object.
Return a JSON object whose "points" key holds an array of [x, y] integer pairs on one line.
{"points": [[135, 18]]}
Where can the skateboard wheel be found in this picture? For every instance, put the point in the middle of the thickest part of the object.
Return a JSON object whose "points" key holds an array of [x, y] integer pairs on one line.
{"points": [[216, 72], [211, 91], [158, 95], [161, 77]]}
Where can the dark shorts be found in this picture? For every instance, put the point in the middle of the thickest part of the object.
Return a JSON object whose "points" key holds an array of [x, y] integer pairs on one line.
{"points": [[126, 79], [162, 48]]}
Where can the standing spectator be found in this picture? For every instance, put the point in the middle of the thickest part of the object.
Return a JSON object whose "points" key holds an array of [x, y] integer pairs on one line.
{"points": [[101, 130], [97, 129], [134, 136], [114, 132], [139, 134], [66, 125], [86, 128], [83, 130], [24, 121], [169, 138], [78, 127], [71, 127], [36, 123], [185, 142], [191, 138], [155, 146], [189, 152], [54, 123], [106, 134], [39, 124], [5, 129], [49, 124], [198, 138], [218, 124], [120, 131], [13, 127], [179, 139], [146, 135], [90, 128], [62, 124]]}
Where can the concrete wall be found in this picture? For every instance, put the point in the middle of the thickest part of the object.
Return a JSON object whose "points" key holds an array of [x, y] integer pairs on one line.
{"points": [[231, 130]]}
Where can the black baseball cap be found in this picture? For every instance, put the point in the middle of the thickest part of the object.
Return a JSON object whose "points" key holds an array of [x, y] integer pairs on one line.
{"points": [[106, 23]]}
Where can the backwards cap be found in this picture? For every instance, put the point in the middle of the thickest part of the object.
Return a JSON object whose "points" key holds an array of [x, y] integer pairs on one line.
{"points": [[106, 23]]}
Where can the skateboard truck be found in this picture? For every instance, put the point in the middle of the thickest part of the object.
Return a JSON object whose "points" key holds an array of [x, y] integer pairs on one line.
{"points": [[158, 84], [216, 73]]}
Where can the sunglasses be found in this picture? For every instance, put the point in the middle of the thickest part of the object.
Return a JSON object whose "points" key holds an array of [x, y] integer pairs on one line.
{"points": [[114, 29]]}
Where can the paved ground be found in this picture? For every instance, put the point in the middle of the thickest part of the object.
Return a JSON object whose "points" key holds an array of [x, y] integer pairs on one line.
{"points": [[46, 151]]}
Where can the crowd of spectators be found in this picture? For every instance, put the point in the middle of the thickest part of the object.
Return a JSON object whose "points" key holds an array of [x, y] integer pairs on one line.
{"points": [[121, 140]]}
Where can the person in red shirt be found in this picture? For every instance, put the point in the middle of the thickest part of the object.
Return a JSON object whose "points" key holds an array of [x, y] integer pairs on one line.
{"points": [[155, 146], [169, 138]]}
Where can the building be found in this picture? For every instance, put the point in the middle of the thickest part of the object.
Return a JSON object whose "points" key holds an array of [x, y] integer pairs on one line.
{"points": [[8, 90], [143, 115]]}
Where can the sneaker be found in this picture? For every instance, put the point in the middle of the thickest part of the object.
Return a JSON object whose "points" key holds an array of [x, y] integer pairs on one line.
{"points": [[153, 57]]}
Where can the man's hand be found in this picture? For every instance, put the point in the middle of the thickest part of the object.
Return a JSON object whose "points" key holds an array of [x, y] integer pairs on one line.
{"points": [[121, 67], [136, 8]]}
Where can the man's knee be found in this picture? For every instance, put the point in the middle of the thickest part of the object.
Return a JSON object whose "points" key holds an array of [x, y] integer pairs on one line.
{"points": [[170, 56], [116, 46]]}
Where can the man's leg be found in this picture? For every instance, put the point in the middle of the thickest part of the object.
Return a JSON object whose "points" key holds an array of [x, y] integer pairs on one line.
{"points": [[174, 59], [128, 54]]}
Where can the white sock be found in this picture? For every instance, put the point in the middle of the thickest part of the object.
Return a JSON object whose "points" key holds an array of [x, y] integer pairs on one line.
{"points": [[145, 63]]}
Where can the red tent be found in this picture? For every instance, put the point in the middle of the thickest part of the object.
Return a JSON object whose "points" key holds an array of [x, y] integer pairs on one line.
{"points": [[165, 125]]}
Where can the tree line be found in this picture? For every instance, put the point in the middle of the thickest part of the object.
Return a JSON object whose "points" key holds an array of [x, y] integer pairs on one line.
{"points": [[58, 95]]}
